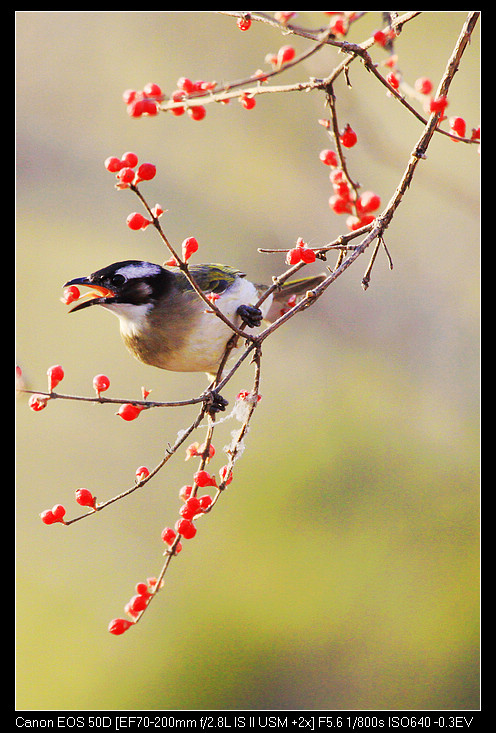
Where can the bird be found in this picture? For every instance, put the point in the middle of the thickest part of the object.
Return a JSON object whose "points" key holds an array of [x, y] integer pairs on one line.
{"points": [[166, 324]]}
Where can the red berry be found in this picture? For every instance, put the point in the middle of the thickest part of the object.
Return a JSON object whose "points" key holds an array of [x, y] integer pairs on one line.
{"points": [[58, 512], [438, 104], [204, 86], [142, 472], [152, 90], [393, 80], [223, 473], [339, 27], [168, 535], [247, 101], [185, 528], [150, 107], [137, 604], [337, 176], [119, 625], [189, 246], [205, 502], [55, 375], [176, 97], [307, 255], [243, 24], [129, 411], [368, 201], [85, 498], [328, 157], [246, 395], [129, 96], [146, 172], [197, 113], [37, 402], [285, 54], [190, 508], [423, 85], [71, 294], [284, 16], [192, 451], [185, 492], [380, 37], [142, 589], [293, 256], [137, 221], [136, 108], [113, 164], [340, 205], [203, 478], [129, 160], [47, 517], [55, 514], [101, 383], [185, 84], [458, 126], [126, 175], [348, 137], [475, 133], [211, 451], [341, 188], [355, 222]]}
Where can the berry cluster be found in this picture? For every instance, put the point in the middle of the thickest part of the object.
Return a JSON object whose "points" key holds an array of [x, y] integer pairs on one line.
{"points": [[55, 375], [55, 514], [135, 606], [143, 101], [300, 253], [83, 497], [244, 23], [185, 88], [146, 102], [192, 507], [283, 56], [422, 90], [124, 169], [345, 199]]}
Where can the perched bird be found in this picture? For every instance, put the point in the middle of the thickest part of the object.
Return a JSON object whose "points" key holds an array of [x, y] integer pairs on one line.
{"points": [[166, 324]]}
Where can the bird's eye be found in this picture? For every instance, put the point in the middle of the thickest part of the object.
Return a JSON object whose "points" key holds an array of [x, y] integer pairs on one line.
{"points": [[118, 280]]}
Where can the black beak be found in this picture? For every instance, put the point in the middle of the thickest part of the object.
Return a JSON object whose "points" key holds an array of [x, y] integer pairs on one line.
{"points": [[99, 295]]}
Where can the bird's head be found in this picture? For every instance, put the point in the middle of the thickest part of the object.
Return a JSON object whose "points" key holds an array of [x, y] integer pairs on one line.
{"points": [[128, 283]]}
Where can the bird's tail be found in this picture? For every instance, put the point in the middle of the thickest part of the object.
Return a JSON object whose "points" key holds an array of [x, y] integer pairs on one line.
{"points": [[283, 298]]}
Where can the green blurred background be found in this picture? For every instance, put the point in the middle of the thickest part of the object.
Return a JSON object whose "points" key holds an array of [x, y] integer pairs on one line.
{"points": [[340, 570]]}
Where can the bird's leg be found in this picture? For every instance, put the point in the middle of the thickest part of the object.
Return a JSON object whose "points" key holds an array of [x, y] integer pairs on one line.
{"points": [[214, 402], [250, 315]]}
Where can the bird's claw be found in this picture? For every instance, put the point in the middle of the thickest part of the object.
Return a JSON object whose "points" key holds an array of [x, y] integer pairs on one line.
{"points": [[214, 402], [250, 315]]}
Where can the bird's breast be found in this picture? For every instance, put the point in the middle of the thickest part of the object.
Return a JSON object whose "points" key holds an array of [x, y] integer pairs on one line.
{"points": [[186, 337]]}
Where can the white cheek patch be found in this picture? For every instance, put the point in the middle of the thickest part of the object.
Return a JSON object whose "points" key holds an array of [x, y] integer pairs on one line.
{"points": [[143, 269]]}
